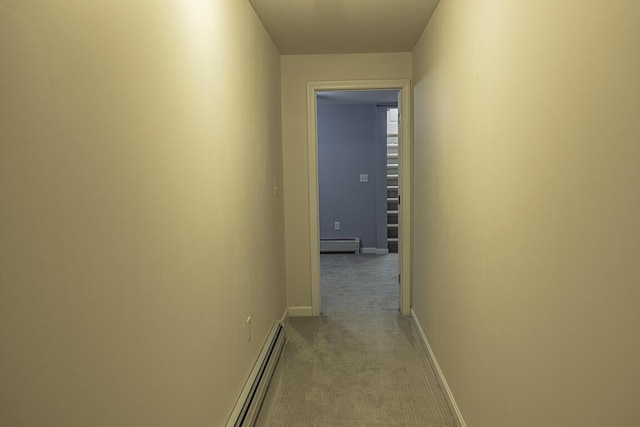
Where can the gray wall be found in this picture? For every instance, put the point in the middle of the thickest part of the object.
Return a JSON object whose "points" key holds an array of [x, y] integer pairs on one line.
{"points": [[352, 141]]}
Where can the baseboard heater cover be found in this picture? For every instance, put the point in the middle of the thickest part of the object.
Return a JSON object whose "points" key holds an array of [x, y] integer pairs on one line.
{"points": [[340, 245], [248, 406]]}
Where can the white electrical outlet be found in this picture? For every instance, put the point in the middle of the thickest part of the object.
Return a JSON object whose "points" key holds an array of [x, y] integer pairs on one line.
{"points": [[364, 177], [249, 328], [336, 225]]}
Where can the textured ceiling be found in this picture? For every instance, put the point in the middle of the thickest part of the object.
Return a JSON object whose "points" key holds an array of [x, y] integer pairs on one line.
{"points": [[344, 26]]}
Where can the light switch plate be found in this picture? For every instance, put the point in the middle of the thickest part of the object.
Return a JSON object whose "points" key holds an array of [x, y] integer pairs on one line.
{"points": [[364, 177]]}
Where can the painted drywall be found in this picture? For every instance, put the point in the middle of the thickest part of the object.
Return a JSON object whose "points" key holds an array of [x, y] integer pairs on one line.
{"points": [[296, 71], [349, 139], [334, 26], [527, 206], [139, 142]]}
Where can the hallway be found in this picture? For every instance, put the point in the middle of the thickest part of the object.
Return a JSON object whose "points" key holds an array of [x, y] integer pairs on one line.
{"points": [[158, 221], [359, 364]]}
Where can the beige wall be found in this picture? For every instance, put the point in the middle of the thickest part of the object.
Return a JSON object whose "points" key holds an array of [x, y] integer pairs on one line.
{"points": [[297, 70], [139, 142], [527, 207]]}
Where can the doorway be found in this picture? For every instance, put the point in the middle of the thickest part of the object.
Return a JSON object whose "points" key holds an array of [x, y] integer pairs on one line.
{"points": [[358, 200], [402, 140]]}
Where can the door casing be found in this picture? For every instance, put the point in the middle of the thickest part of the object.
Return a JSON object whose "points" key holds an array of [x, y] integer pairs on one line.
{"points": [[405, 146]]}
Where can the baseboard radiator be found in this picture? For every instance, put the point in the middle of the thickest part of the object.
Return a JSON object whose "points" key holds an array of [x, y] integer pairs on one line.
{"points": [[340, 245], [246, 410]]}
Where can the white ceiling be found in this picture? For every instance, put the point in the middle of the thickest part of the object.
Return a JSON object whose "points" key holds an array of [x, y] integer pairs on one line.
{"points": [[358, 97], [344, 26]]}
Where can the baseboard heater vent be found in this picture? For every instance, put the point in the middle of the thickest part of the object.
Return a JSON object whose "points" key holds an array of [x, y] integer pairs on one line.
{"points": [[246, 410], [339, 245]]}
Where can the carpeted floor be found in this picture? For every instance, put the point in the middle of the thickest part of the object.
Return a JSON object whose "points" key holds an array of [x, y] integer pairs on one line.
{"points": [[361, 363]]}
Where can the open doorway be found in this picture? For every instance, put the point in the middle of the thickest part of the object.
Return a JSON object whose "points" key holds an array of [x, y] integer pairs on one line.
{"points": [[358, 188], [369, 203]]}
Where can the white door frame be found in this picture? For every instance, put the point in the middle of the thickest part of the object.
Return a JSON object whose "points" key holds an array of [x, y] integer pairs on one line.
{"points": [[404, 216]]}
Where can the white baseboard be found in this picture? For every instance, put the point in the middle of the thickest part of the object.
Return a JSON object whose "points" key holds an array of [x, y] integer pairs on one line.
{"points": [[247, 407], [374, 251], [285, 317], [302, 311], [449, 395]]}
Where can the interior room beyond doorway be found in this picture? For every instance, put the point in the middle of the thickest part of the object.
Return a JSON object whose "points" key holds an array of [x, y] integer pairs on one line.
{"points": [[358, 189]]}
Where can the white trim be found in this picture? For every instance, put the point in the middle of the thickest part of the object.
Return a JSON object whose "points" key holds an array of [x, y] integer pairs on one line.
{"points": [[255, 387], [374, 251], [449, 395], [405, 156], [284, 320], [314, 220], [304, 311], [405, 221]]}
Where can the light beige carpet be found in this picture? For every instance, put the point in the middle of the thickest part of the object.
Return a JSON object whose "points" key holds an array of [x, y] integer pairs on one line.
{"points": [[359, 364]]}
